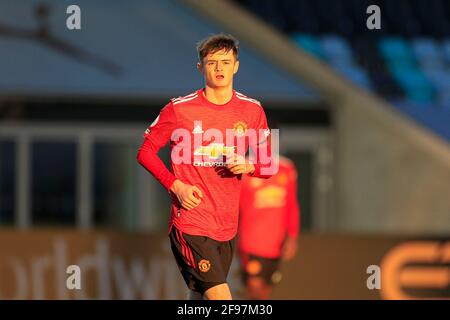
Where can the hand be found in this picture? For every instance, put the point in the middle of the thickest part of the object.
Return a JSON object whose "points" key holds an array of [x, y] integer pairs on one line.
{"points": [[289, 248], [188, 196], [239, 165]]}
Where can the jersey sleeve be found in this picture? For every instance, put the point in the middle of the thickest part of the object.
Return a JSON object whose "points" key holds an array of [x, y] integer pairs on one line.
{"points": [[292, 205], [261, 148], [156, 136]]}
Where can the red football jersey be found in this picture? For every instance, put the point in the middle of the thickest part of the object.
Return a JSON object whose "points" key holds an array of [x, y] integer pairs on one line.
{"points": [[201, 135], [269, 211]]}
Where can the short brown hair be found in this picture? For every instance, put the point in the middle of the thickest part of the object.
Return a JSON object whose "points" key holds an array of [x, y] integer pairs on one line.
{"points": [[217, 42]]}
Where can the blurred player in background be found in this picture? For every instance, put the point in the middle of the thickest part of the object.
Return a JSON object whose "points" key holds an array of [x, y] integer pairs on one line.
{"points": [[205, 184], [269, 227]]}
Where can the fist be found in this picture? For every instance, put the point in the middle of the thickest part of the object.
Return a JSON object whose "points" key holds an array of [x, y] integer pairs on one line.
{"points": [[188, 196], [239, 165]]}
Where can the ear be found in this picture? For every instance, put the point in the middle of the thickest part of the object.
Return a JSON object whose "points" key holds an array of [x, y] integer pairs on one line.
{"points": [[200, 67], [236, 67]]}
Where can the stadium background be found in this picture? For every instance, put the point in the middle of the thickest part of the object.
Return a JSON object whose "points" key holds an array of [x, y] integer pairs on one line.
{"points": [[364, 115]]}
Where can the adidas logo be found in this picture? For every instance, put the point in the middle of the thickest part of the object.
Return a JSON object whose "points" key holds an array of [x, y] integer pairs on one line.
{"points": [[197, 129]]}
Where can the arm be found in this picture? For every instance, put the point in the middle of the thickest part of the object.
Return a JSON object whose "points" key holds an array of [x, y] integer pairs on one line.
{"points": [[292, 217], [293, 207], [155, 137], [262, 149], [262, 170]]}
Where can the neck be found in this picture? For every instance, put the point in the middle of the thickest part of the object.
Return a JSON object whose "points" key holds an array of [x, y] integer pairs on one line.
{"points": [[219, 95]]}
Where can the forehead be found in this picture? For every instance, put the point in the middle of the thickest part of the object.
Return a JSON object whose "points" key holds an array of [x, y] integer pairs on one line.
{"points": [[220, 55]]}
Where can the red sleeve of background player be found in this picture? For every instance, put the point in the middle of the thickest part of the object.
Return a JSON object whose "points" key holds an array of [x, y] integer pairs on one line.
{"points": [[262, 149], [292, 205], [155, 137]]}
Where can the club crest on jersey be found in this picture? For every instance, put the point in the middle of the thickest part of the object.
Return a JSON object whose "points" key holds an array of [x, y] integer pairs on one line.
{"points": [[204, 265], [240, 128]]}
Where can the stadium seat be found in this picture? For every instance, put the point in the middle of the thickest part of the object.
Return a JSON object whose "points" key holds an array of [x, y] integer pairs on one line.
{"points": [[309, 43], [444, 100], [396, 52], [367, 53], [428, 53], [408, 60], [446, 50], [441, 80], [354, 74], [439, 77], [336, 50], [417, 87]]}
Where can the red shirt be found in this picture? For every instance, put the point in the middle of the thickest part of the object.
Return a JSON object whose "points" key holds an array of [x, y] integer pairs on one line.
{"points": [[197, 130], [269, 211]]}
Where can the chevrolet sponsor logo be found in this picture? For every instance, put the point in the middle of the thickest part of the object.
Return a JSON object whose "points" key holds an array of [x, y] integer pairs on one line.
{"points": [[214, 150]]}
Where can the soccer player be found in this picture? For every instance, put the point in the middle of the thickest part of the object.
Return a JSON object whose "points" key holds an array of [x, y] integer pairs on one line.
{"points": [[209, 133], [268, 229]]}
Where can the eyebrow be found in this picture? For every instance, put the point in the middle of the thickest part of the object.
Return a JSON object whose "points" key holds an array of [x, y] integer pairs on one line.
{"points": [[209, 60]]}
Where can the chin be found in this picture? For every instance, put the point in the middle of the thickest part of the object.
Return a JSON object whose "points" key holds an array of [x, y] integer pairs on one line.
{"points": [[220, 85]]}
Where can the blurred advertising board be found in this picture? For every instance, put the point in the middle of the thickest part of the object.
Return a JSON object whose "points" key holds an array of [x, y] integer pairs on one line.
{"points": [[116, 265]]}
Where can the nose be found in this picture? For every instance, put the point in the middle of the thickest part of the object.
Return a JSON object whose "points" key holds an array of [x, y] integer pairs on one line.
{"points": [[218, 66]]}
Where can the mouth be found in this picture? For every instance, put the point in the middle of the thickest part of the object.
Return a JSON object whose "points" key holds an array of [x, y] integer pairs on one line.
{"points": [[219, 77]]}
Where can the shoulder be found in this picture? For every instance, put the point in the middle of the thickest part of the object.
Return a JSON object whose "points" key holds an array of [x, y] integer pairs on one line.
{"points": [[183, 99], [287, 164], [248, 100]]}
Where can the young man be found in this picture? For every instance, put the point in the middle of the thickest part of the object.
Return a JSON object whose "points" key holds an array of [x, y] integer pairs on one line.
{"points": [[209, 132], [268, 229]]}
